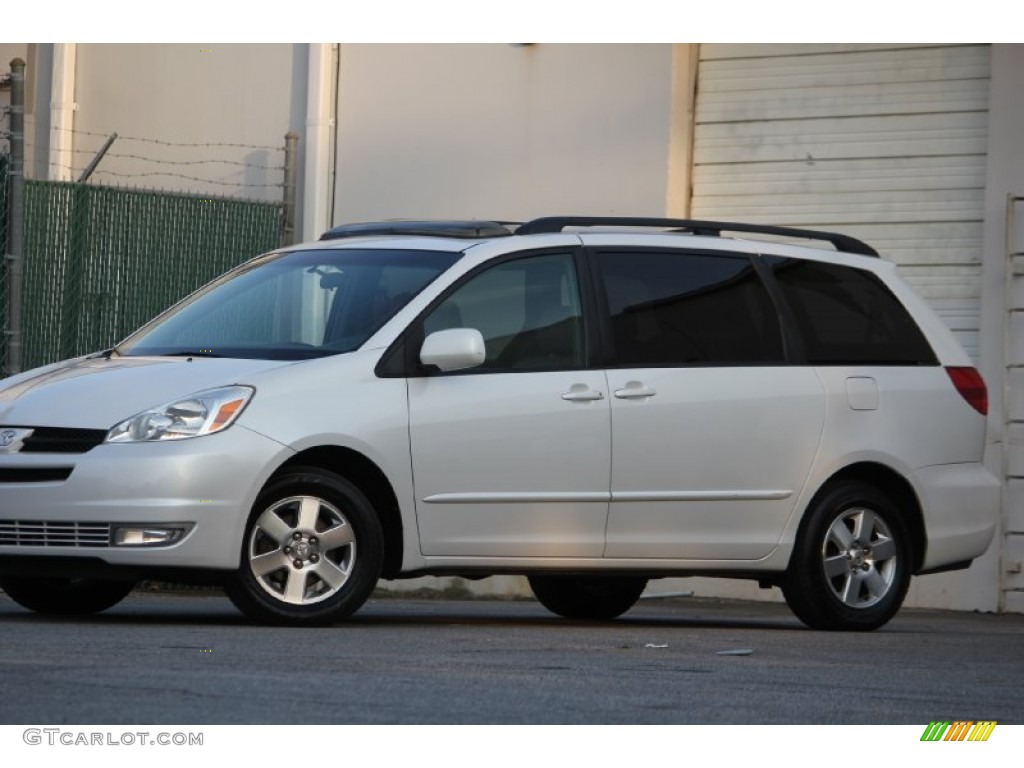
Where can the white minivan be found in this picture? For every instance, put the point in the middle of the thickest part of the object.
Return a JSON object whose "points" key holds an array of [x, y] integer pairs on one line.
{"points": [[590, 402]]}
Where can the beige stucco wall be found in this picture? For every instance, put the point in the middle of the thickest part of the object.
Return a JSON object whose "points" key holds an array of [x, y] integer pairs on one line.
{"points": [[203, 93], [502, 131]]}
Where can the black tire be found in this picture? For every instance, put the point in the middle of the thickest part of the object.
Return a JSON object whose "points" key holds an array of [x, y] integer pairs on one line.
{"points": [[312, 551], [65, 596], [587, 597], [851, 565]]}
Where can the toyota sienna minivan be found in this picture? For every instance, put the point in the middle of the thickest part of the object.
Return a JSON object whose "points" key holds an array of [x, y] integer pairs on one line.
{"points": [[589, 402]]}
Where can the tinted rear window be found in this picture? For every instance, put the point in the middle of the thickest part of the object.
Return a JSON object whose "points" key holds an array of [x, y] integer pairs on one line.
{"points": [[677, 308], [848, 316]]}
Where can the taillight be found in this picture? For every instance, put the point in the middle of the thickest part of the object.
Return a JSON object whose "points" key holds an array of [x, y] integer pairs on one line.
{"points": [[971, 386]]}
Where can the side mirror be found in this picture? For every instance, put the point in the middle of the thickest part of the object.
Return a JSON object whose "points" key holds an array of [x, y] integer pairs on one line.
{"points": [[453, 350]]}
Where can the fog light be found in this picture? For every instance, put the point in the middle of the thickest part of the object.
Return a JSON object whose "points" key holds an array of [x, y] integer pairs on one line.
{"points": [[150, 535]]}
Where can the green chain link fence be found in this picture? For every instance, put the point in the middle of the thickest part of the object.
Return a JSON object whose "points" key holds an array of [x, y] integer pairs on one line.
{"points": [[100, 261]]}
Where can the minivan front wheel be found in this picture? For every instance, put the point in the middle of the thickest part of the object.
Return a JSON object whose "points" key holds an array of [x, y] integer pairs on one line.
{"points": [[851, 566], [312, 551]]}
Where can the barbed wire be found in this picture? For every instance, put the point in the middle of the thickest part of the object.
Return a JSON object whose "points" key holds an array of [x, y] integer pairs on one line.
{"points": [[127, 156], [97, 172], [71, 169], [196, 162], [171, 143], [182, 176]]}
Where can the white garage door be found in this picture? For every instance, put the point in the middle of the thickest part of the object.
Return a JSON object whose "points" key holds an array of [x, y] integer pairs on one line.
{"points": [[886, 143]]}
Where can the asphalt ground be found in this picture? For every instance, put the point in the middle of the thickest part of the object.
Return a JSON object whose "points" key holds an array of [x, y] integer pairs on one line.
{"points": [[191, 658]]}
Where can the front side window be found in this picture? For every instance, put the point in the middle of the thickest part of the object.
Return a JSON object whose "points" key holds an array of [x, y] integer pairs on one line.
{"points": [[669, 308], [528, 311], [848, 316], [293, 306]]}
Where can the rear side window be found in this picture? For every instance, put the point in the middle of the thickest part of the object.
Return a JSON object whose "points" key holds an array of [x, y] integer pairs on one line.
{"points": [[670, 308], [849, 316]]}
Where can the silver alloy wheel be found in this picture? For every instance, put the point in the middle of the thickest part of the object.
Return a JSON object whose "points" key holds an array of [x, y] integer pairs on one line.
{"points": [[301, 550], [860, 558]]}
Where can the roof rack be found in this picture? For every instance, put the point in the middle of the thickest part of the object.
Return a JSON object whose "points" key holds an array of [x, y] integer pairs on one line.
{"points": [[551, 224], [464, 230]]}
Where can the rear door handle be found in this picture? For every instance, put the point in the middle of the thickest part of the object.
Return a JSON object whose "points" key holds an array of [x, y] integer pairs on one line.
{"points": [[634, 389], [581, 392]]}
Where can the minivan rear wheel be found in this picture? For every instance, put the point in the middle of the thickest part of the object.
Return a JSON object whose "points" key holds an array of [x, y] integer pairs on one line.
{"points": [[312, 551], [65, 596], [851, 566], [587, 597]]}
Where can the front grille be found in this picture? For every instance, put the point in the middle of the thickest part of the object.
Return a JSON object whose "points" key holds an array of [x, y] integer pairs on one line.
{"points": [[62, 440], [34, 533], [34, 474]]}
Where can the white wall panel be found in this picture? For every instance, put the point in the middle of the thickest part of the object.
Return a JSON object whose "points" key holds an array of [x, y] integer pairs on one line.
{"points": [[761, 50], [941, 206], [885, 143], [822, 139], [895, 174], [755, 67], [1014, 601], [1013, 507], [780, 103]]}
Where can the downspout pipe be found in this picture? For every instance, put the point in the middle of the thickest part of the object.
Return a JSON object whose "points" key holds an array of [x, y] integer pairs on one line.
{"points": [[319, 122], [62, 112]]}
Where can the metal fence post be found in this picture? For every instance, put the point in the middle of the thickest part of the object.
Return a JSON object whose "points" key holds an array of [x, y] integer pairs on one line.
{"points": [[96, 160], [291, 172], [16, 253], [72, 295]]}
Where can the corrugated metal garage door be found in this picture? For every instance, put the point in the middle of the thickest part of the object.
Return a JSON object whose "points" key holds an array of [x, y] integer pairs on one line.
{"points": [[886, 143]]}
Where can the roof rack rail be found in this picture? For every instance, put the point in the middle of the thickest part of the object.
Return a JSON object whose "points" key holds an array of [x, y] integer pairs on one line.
{"points": [[464, 230], [550, 224]]}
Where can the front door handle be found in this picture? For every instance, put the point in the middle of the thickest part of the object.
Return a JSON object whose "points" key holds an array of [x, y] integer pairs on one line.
{"points": [[581, 392], [634, 389]]}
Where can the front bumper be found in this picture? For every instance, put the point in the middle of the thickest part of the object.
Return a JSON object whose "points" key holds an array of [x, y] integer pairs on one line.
{"points": [[209, 483]]}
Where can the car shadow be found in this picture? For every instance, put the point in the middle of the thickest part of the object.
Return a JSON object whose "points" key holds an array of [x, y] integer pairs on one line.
{"points": [[215, 610]]}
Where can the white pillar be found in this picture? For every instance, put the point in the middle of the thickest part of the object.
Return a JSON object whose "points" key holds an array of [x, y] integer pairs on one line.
{"points": [[318, 138], [682, 118], [62, 112]]}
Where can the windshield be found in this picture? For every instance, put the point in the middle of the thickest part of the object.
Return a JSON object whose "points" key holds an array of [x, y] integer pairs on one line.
{"points": [[292, 306]]}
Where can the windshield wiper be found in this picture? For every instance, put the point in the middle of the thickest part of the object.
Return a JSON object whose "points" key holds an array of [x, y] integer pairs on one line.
{"points": [[191, 353]]}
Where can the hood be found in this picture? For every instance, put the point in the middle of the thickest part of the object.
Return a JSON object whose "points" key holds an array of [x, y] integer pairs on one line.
{"points": [[96, 393]]}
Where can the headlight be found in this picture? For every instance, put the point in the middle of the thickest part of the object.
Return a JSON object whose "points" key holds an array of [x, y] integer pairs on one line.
{"points": [[200, 414]]}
